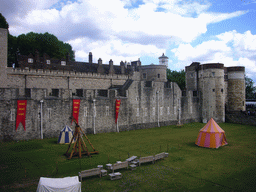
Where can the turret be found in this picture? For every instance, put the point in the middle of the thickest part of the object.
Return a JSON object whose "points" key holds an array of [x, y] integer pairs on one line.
{"points": [[163, 60], [236, 89]]}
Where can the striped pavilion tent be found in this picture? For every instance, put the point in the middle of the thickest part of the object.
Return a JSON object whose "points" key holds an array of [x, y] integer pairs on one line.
{"points": [[66, 135], [211, 136]]}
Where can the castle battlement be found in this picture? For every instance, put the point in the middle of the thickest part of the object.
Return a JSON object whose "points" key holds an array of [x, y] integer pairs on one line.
{"points": [[40, 72]]}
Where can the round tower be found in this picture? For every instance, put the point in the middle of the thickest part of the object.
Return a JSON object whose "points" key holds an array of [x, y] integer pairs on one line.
{"points": [[211, 87], [236, 89], [163, 60]]}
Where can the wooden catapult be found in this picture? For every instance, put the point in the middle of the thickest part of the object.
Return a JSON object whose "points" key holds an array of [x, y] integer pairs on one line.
{"points": [[79, 147]]}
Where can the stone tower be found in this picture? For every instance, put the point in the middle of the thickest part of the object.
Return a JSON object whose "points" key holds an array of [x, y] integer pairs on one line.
{"points": [[207, 82], [211, 87], [3, 56], [236, 89]]}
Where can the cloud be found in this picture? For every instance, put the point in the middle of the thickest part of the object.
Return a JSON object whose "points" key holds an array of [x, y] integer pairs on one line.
{"points": [[114, 49], [121, 29], [231, 49]]}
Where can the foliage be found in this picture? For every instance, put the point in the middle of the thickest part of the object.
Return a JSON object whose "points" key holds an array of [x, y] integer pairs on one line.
{"points": [[12, 49], [188, 167], [3, 22], [44, 43], [250, 89], [177, 76]]}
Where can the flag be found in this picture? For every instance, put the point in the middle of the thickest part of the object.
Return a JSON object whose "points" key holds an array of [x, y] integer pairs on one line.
{"points": [[118, 101], [76, 106], [21, 113]]}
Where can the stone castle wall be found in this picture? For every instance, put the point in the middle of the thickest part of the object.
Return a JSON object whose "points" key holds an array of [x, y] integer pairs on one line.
{"points": [[143, 108]]}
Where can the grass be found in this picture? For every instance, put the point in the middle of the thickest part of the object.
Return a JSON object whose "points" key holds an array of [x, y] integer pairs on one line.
{"points": [[188, 167]]}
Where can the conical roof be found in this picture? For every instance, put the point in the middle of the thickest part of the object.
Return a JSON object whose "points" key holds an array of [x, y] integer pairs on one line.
{"points": [[212, 127]]}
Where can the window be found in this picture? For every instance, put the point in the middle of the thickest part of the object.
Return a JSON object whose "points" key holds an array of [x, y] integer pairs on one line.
{"points": [[48, 62], [39, 112], [12, 115], [107, 110], [103, 93], [144, 75], [79, 92], [194, 93], [145, 112], [213, 74], [148, 84], [191, 74], [213, 90], [55, 92], [158, 75], [30, 60], [161, 110], [184, 94], [28, 93], [63, 62], [49, 112], [85, 111], [138, 112], [221, 90]]}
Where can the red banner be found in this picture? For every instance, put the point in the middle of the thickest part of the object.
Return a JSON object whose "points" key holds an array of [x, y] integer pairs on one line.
{"points": [[118, 102], [21, 113], [76, 106]]}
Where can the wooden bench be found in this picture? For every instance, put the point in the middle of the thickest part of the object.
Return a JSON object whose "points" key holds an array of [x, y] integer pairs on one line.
{"points": [[146, 159], [121, 165], [114, 176], [160, 156], [89, 172]]}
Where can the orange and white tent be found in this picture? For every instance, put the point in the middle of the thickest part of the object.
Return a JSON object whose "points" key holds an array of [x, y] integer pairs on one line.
{"points": [[211, 136]]}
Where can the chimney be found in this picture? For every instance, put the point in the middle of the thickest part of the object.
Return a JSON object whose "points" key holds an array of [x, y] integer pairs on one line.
{"points": [[122, 67], [100, 68], [111, 67], [90, 57]]}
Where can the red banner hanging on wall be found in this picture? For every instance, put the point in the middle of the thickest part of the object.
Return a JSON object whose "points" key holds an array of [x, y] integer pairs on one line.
{"points": [[76, 106], [118, 102], [21, 113]]}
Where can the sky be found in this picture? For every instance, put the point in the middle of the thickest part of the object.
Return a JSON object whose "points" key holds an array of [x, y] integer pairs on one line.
{"points": [[187, 31]]}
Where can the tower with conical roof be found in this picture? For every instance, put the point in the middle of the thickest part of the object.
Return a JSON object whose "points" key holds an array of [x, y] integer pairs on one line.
{"points": [[163, 60]]}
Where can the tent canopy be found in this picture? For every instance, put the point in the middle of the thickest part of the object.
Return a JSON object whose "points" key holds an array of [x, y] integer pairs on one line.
{"points": [[211, 136], [66, 135], [68, 184]]}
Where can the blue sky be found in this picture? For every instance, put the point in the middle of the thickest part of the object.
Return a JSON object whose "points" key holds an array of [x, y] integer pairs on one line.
{"points": [[125, 30]]}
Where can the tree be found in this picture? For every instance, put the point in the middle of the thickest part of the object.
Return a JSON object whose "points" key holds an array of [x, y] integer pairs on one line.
{"points": [[250, 89], [3, 22], [44, 43], [177, 76]]}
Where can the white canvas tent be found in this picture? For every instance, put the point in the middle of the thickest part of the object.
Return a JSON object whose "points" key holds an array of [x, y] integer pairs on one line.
{"points": [[67, 184]]}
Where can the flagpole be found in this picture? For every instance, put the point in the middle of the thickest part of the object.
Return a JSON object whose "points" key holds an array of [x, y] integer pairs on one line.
{"points": [[117, 126], [41, 101]]}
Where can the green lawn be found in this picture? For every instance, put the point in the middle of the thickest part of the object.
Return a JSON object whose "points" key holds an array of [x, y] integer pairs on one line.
{"points": [[188, 167]]}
